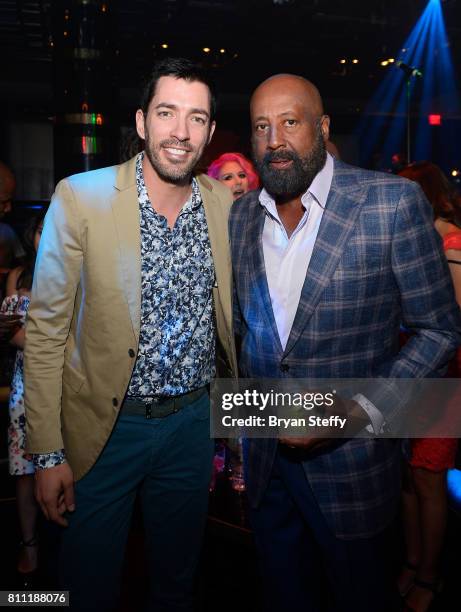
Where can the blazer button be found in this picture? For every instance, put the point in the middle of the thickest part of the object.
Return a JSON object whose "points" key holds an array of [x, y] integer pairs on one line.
{"points": [[131, 353], [114, 401], [284, 367]]}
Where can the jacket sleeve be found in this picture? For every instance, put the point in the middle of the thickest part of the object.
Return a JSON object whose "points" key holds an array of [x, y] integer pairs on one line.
{"points": [[56, 279], [428, 305]]}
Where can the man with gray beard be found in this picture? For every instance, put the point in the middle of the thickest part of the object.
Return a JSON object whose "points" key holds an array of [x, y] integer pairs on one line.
{"points": [[328, 260]]}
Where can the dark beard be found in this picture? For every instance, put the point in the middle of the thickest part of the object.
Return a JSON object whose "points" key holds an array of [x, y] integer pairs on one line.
{"points": [[293, 181], [169, 174]]}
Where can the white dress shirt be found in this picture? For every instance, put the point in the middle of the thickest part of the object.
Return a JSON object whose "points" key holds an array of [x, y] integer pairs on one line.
{"points": [[287, 258]]}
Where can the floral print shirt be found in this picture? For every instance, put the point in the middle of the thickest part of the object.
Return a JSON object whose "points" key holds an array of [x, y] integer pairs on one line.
{"points": [[177, 337]]}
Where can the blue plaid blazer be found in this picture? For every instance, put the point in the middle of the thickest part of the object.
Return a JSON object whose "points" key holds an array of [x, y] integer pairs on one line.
{"points": [[377, 262]]}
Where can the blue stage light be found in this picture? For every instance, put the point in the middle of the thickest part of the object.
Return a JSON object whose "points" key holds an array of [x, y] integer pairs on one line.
{"points": [[383, 126], [454, 488]]}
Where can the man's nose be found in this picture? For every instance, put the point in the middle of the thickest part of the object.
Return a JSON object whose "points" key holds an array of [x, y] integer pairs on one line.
{"points": [[275, 138], [180, 130]]}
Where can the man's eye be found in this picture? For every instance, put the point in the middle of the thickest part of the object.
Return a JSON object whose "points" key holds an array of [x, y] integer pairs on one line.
{"points": [[164, 113], [260, 127], [199, 120], [290, 122]]}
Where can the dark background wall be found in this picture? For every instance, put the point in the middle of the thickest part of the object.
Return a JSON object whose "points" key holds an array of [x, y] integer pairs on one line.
{"points": [[65, 62]]}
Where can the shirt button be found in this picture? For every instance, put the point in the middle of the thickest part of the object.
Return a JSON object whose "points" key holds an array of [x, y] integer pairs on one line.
{"points": [[284, 367], [131, 353], [114, 401]]}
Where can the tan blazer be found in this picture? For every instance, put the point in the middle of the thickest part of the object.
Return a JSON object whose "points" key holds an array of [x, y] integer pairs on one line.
{"points": [[83, 323]]}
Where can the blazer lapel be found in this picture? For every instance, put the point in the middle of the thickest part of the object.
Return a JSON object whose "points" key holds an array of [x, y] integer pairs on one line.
{"points": [[125, 209], [339, 217], [257, 268], [219, 242]]}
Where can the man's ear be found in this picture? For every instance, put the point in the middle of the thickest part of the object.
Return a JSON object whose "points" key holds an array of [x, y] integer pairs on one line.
{"points": [[140, 121], [325, 127], [212, 129]]}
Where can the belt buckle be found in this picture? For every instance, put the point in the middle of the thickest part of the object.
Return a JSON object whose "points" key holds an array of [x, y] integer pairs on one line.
{"points": [[155, 401]]}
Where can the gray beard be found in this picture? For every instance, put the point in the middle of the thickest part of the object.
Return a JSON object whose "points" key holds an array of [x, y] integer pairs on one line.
{"points": [[295, 180]]}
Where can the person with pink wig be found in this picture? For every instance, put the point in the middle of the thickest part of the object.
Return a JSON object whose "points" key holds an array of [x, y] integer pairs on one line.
{"points": [[236, 172]]}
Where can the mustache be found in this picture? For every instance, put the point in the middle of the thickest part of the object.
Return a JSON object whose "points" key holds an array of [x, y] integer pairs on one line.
{"points": [[171, 142], [277, 156]]}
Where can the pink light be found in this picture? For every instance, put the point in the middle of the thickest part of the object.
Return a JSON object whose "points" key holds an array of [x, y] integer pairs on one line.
{"points": [[435, 119]]}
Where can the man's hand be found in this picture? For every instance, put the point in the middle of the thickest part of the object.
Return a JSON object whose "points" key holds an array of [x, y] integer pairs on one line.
{"points": [[356, 420], [54, 490], [305, 443]]}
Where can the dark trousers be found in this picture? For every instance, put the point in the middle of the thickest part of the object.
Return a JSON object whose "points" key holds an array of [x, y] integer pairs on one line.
{"points": [[168, 462], [304, 566]]}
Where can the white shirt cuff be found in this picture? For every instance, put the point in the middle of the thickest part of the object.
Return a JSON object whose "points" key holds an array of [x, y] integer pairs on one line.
{"points": [[375, 416]]}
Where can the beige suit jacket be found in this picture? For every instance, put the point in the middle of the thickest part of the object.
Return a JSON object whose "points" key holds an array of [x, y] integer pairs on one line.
{"points": [[84, 316]]}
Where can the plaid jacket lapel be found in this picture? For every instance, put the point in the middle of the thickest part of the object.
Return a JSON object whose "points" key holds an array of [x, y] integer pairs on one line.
{"points": [[340, 215]]}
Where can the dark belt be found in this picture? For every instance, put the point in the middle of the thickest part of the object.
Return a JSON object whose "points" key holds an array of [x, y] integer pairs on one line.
{"points": [[162, 405]]}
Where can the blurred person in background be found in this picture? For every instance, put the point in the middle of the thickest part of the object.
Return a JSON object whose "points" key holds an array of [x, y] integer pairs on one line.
{"points": [[398, 163], [236, 172], [425, 474], [10, 245], [7, 189], [15, 307], [11, 253]]}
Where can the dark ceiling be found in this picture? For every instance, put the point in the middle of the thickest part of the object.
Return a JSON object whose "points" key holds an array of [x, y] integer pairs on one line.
{"points": [[257, 38]]}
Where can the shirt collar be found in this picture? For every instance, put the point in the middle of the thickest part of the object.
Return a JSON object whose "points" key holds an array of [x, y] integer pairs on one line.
{"points": [[194, 201], [318, 189]]}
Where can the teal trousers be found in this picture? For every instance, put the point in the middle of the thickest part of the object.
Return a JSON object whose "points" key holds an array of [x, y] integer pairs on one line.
{"points": [[167, 462]]}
